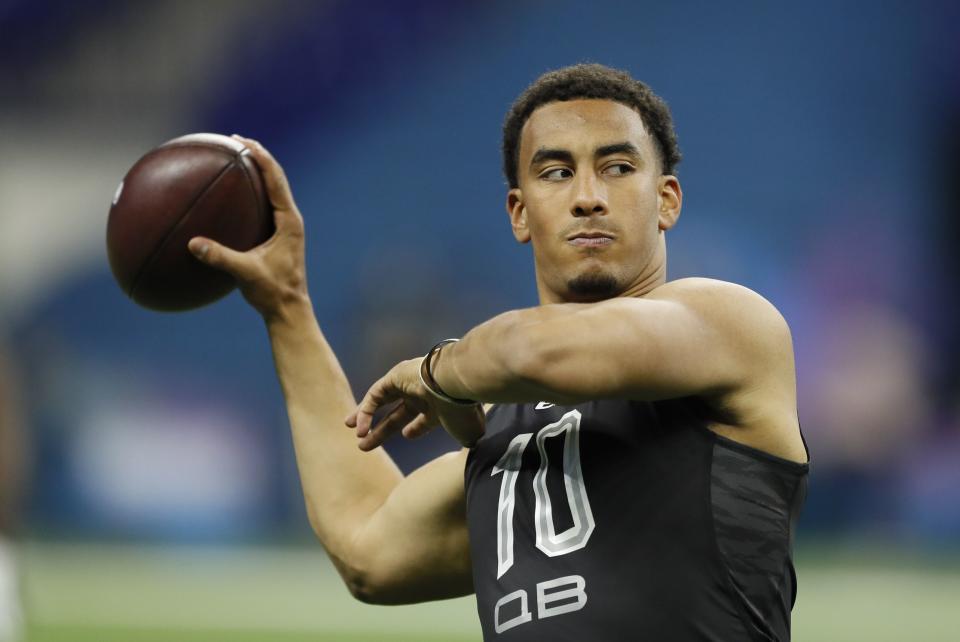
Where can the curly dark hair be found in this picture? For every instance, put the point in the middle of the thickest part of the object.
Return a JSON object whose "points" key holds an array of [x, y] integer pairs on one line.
{"points": [[590, 81]]}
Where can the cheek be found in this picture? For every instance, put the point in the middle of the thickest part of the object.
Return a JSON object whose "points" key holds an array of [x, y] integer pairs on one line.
{"points": [[642, 211], [540, 222]]}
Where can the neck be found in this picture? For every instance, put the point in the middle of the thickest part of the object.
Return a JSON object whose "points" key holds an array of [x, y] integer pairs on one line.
{"points": [[653, 275], [648, 283]]}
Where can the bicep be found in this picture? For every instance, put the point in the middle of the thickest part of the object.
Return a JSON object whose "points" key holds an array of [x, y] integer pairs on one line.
{"points": [[416, 547]]}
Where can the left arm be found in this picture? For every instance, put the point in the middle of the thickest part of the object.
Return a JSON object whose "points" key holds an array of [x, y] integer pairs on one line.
{"points": [[688, 337]]}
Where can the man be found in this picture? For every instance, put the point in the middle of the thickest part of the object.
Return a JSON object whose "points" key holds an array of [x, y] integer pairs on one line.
{"points": [[640, 468]]}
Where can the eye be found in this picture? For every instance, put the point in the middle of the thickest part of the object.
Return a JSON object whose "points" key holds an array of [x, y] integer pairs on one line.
{"points": [[618, 169], [556, 174]]}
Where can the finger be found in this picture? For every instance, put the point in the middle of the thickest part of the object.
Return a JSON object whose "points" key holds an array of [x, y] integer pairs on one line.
{"points": [[383, 413], [379, 394], [393, 423], [220, 257], [418, 427], [278, 188]]}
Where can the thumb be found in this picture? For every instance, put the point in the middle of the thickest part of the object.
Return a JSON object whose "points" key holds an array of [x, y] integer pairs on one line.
{"points": [[216, 255]]}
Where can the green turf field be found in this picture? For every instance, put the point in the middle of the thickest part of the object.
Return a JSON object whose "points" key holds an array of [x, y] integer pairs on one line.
{"points": [[111, 594]]}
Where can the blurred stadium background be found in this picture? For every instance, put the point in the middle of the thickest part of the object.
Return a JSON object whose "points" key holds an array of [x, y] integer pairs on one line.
{"points": [[161, 499]]}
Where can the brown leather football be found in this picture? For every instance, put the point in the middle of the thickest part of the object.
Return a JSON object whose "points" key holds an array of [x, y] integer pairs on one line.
{"points": [[195, 185]]}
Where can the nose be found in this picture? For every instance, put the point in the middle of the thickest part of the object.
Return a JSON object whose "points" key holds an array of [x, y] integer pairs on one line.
{"points": [[590, 197]]}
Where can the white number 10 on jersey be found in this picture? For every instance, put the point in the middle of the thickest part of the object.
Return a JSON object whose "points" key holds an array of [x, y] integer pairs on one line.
{"points": [[548, 540]]}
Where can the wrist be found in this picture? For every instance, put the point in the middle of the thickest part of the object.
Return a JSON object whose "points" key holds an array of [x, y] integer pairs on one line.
{"points": [[445, 374], [294, 310]]}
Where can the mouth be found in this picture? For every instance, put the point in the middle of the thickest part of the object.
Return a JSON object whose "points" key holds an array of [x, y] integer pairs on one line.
{"points": [[590, 239]]}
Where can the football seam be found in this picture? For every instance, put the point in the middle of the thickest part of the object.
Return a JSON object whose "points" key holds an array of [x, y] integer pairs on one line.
{"points": [[186, 214], [263, 181], [192, 143]]}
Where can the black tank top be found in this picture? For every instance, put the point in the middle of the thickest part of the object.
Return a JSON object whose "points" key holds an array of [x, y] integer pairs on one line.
{"points": [[617, 520]]}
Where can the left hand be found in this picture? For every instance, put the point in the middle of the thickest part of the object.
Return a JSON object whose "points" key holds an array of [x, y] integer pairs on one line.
{"points": [[417, 413]]}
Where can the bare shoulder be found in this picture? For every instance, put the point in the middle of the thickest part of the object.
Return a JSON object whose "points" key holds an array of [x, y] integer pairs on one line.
{"points": [[760, 410], [750, 323], [720, 297]]}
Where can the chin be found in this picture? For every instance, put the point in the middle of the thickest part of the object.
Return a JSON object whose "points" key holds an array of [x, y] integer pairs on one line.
{"points": [[595, 285]]}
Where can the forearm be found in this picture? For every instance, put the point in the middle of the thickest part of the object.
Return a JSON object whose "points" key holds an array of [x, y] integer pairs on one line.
{"points": [[343, 487], [503, 360]]}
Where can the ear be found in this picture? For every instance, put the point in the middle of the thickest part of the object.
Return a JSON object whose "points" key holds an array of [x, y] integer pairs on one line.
{"points": [[518, 215], [670, 200]]}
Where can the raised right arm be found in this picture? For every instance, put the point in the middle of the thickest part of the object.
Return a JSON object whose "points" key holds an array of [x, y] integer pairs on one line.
{"points": [[394, 539]]}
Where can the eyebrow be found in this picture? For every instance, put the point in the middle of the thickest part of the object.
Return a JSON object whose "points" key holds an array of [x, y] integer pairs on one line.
{"points": [[544, 154], [617, 148]]}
